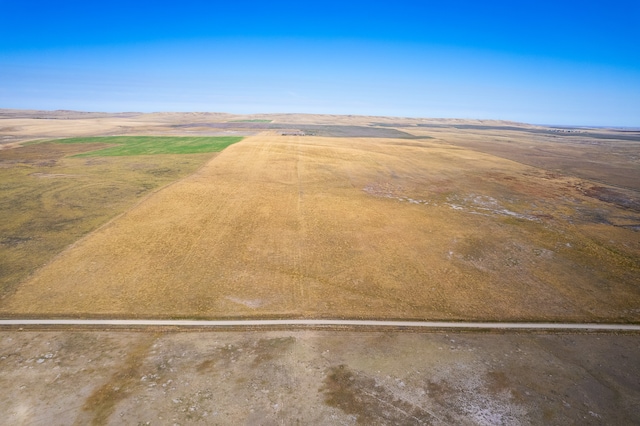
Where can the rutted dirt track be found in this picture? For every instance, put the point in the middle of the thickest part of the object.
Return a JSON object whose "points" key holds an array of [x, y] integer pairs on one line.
{"points": [[348, 227], [341, 324]]}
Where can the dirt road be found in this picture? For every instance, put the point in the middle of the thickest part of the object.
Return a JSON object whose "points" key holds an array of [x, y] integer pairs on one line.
{"points": [[337, 323]]}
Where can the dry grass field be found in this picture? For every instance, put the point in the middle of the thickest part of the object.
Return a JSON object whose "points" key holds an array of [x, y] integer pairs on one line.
{"points": [[422, 225], [50, 198]]}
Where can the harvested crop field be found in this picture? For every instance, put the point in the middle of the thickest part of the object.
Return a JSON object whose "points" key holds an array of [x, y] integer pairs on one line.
{"points": [[309, 226]]}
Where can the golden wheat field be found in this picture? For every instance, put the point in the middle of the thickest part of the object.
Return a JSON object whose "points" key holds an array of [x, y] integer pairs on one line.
{"points": [[317, 226]]}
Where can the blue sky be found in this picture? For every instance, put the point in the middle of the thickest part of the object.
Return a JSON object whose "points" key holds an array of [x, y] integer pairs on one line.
{"points": [[546, 62]]}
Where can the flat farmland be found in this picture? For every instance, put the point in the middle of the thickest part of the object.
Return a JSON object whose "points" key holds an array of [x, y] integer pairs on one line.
{"points": [[372, 227], [50, 196]]}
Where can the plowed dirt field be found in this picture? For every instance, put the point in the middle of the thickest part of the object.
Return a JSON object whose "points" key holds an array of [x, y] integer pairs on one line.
{"points": [[301, 226]]}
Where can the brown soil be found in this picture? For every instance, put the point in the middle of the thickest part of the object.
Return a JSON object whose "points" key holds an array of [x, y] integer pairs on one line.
{"points": [[318, 377]]}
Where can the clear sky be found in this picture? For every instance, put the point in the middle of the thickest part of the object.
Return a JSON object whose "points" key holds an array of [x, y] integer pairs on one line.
{"points": [[545, 62]]}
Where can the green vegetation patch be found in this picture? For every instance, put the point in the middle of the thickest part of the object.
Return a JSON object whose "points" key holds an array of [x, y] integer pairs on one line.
{"points": [[149, 145]]}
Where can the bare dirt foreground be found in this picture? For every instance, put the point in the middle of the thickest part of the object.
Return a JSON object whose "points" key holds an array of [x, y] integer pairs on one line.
{"points": [[331, 227], [317, 377]]}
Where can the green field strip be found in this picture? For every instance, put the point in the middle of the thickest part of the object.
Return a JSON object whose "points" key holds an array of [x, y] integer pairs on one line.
{"points": [[151, 145]]}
